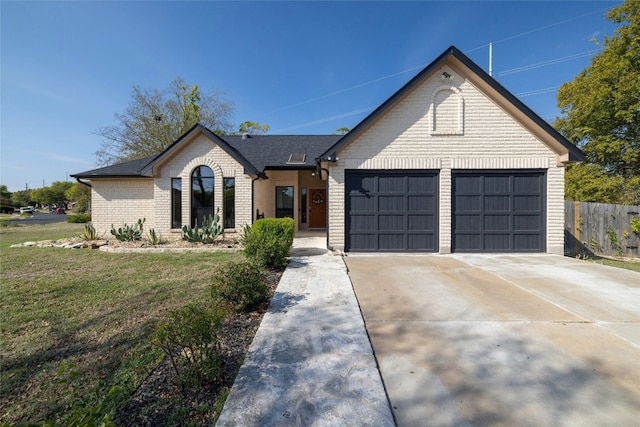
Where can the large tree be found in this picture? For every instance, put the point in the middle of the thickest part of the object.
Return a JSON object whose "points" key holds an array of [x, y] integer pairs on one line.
{"points": [[601, 111], [155, 118]]}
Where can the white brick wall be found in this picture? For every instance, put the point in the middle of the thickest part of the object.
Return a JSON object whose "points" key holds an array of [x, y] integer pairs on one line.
{"points": [[120, 201], [197, 152], [404, 138]]}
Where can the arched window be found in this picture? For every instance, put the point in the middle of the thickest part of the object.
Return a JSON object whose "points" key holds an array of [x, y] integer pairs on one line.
{"points": [[201, 194]]}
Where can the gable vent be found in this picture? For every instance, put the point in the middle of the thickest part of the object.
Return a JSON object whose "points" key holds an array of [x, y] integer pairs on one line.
{"points": [[297, 159]]}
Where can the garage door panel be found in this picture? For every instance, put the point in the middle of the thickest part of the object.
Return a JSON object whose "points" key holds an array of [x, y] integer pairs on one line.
{"points": [[364, 241], [468, 203], [527, 243], [390, 242], [497, 242], [362, 222], [498, 211], [391, 222], [497, 222], [527, 183], [470, 241], [421, 203], [527, 203], [527, 223], [467, 184], [391, 203], [497, 203], [421, 184], [361, 203], [391, 184], [468, 223], [418, 241], [391, 210], [497, 184]]}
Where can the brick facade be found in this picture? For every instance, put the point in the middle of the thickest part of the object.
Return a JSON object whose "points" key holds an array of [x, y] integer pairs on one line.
{"points": [[120, 201], [447, 127]]}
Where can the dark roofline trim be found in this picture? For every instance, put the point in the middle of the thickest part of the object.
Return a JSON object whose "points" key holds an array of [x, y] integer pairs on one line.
{"points": [[575, 154], [132, 172], [290, 167], [249, 168]]}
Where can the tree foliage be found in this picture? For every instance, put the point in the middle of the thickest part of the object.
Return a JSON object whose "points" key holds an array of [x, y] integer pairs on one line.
{"points": [[81, 194], [55, 194], [5, 196], [252, 128], [601, 111], [156, 118], [21, 198]]}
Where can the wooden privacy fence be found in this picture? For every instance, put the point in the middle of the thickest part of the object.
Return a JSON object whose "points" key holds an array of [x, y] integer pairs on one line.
{"points": [[601, 229]]}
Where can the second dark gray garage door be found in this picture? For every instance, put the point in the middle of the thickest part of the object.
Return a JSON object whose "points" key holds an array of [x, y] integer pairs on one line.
{"points": [[499, 211], [391, 211]]}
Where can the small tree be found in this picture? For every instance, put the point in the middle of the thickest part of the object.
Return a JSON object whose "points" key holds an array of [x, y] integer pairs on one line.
{"points": [[156, 118]]}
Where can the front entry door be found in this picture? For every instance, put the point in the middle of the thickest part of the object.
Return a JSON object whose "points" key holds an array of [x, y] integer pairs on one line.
{"points": [[318, 208]]}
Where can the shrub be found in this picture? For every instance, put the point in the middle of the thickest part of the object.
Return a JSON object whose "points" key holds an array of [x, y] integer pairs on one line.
{"points": [[207, 233], [269, 240], [128, 233], [191, 340], [239, 285], [80, 218]]}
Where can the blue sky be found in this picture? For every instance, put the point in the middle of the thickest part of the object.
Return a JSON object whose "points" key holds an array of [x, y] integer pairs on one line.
{"points": [[301, 67]]}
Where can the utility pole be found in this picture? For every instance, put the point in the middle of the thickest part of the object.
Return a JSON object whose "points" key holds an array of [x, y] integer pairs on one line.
{"points": [[491, 59]]}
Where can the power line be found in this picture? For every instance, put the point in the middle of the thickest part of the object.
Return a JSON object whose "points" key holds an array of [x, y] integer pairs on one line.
{"points": [[327, 119], [536, 92], [545, 63], [503, 73], [540, 28]]}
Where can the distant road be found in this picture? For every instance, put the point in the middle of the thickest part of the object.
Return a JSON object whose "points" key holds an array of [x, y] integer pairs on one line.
{"points": [[39, 218]]}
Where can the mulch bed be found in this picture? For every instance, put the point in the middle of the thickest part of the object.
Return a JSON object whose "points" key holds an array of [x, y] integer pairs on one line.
{"points": [[160, 395]]}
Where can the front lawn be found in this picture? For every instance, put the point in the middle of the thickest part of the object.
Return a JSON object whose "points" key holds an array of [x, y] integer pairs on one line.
{"points": [[74, 324]]}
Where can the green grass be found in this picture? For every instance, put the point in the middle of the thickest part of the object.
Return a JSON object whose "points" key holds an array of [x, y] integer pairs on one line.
{"points": [[629, 265], [86, 310]]}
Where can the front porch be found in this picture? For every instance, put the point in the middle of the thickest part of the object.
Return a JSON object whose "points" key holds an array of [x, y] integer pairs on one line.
{"points": [[298, 194]]}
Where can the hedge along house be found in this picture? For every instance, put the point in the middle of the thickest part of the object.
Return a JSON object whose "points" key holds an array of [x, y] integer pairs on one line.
{"points": [[450, 162]]}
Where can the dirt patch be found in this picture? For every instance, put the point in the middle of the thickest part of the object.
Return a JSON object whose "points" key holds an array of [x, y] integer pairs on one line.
{"points": [[161, 401]]}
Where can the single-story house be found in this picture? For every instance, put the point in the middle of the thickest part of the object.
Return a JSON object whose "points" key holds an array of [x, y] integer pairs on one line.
{"points": [[450, 162]]}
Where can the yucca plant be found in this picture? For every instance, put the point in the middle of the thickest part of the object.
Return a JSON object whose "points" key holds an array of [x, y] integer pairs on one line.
{"points": [[89, 233], [154, 237]]}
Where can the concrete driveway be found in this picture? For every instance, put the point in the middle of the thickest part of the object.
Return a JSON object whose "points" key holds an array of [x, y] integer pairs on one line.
{"points": [[503, 339]]}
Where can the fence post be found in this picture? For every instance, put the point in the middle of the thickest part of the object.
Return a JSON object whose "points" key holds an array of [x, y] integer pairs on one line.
{"points": [[577, 249]]}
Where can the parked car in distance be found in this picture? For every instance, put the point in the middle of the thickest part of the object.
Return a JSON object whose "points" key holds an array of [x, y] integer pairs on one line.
{"points": [[58, 211], [28, 209]]}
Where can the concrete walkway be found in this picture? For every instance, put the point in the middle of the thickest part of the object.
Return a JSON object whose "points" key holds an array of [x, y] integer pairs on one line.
{"points": [[310, 363]]}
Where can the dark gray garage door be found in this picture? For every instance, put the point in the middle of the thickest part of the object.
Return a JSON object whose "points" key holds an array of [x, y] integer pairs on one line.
{"points": [[499, 212], [389, 211]]}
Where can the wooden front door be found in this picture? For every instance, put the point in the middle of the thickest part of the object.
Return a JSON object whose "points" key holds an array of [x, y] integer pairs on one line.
{"points": [[318, 208]]}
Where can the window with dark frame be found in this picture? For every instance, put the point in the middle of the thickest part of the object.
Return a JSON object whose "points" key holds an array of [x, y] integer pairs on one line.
{"points": [[303, 205], [284, 202], [176, 202], [202, 187], [229, 203]]}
